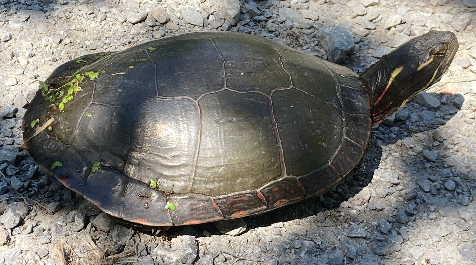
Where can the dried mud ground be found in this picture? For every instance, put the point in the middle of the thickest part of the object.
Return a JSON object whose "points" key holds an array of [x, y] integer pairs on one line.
{"points": [[412, 201]]}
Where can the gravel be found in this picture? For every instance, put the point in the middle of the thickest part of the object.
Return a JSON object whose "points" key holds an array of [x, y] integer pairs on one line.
{"points": [[410, 202]]}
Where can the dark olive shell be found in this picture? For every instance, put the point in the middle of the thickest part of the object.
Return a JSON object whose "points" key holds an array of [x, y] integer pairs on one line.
{"points": [[226, 124]]}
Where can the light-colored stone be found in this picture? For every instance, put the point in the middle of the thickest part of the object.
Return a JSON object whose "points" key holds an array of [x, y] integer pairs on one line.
{"points": [[160, 15], [192, 17], [293, 16], [392, 21], [230, 10]]}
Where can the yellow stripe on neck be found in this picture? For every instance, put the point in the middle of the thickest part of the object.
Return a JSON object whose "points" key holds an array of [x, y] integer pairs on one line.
{"points": [[390, 80], [425, 63]]}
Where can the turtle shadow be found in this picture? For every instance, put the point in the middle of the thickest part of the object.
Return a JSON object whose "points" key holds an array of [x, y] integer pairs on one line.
{"points": [[411, 120]]}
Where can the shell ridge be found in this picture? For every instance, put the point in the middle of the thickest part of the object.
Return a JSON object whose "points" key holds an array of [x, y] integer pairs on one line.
{"points": [[155, 71], [339, 97]]}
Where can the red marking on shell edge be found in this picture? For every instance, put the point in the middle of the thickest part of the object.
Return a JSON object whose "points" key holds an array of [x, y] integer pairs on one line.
{"points": [[260, 196], [239, 214], [351, 160], [195, 222], [243, 198], [144, 222], [281, 202], [275, 189]]}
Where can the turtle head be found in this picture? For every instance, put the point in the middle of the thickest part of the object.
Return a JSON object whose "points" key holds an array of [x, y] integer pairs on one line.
{"points": [[407, 70]]}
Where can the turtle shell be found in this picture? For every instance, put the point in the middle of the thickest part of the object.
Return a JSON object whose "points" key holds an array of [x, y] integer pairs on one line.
{"points": [[198, 127]]}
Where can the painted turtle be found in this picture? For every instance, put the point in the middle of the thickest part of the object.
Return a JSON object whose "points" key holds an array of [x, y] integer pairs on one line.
{"points": [[208, 126]]}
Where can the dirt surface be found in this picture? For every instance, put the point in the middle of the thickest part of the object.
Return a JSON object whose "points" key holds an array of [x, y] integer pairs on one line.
{"points": [[412, 201]]}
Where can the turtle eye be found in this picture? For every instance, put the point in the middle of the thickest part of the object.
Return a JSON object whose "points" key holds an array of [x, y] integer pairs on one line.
{"points": [[439, 50]]}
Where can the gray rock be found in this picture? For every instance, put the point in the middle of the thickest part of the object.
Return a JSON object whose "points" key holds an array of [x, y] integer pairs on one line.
{"points": [[293, 16], [430, 155], [5, 36], [464, 63], [469, 3], [362, 197], [27, 228], [462, 21], [10, 81], [192, 17], [392, 21], [252, 8], [8, 111], [10, 219], [337, 42], [417, 252], [465, 213], [135, 18], [79, 221], [121, 234], [309, 14], [42, 252], [288, 24], [427, 115], [160, 15], [4, 187], [53, 207], [44, 240], [367, 3], [150, 21], [425, 185], [384, 226], [15, 183], [230, 10], [401, 216], [350, 248], [183, 250], [10, 255], [4, 237], [357, 231], [450, 185], [382, 192], [188, 248], [427, 100], [103, 222], [226, 25], [205, 260], [457, 100], [11, 170]]}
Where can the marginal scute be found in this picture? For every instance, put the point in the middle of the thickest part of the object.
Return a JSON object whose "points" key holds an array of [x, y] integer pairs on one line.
{"points": [[104, 189], [241, 204], [47, 151], [144, 205], [347, 157], [320, 181], [357, 128], [74, 170], [344, 76], [283, 191], [354, 101], [193, 209]]}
